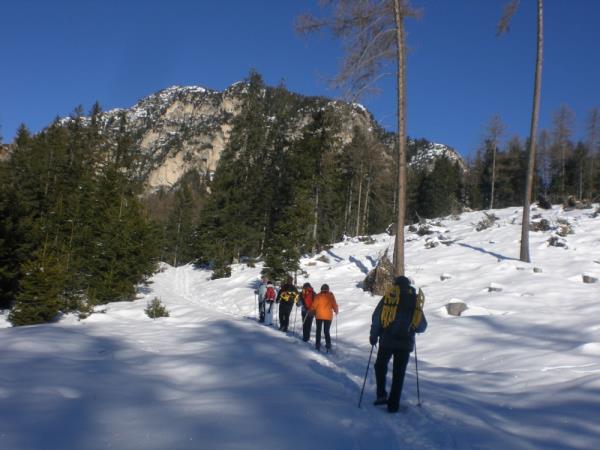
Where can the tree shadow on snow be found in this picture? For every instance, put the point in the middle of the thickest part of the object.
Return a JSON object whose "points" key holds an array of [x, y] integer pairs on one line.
{"points": [[334, 256], [486, 411], [487, 252], [360, 265]]}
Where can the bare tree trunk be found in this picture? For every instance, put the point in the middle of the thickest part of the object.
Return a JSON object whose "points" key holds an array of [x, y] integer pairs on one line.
{"points": [[593, 126], [495, 131], [525, 257], [365, 215], [316, 218], [562, 164], [70, 246], [493, 175], [360, 182], [48, 172], [580, 188], [177, 239], [264, 234], [348, 205], [401, 87]]}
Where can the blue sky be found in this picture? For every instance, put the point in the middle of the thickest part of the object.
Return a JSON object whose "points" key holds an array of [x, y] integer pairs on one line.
{"points": [[57, 55]]}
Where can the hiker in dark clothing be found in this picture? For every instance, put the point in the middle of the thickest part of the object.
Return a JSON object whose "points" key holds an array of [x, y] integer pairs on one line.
{"points": [[287, 297], [307, 296], [395, 321]]}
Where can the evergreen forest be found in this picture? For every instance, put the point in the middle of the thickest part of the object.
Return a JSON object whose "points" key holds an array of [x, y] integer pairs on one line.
{"points": [[78, 229]]}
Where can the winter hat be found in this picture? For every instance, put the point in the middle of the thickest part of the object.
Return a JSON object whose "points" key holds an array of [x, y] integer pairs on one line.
{"points": [[325, 288], [306, 286], [401, 281]]}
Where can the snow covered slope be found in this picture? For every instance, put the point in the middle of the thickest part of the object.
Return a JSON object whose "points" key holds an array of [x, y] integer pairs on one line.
{"points": [[520, 369]]}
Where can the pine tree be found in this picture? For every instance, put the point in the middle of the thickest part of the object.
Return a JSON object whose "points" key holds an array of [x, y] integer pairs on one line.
{"points": [[231, 226], [39, 298], [593, 139], [180, 227], [78, 233], [439, 192], [562, 148]]}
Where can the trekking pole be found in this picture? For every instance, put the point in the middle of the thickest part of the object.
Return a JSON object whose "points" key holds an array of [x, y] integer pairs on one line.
{"points": [[365, 380], [294, 326], [417, 370], [336, 331]]}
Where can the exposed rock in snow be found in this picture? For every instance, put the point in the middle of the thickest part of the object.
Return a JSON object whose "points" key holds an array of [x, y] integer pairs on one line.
{"points": [[456, 307]]}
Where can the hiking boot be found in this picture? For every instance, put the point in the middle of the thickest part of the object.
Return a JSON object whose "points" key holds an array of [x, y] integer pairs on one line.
{"points": [[392, 408], [380, 401]]}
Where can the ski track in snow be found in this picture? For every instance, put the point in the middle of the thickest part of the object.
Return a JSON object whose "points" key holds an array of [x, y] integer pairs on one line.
{"points": [[519, 369]]}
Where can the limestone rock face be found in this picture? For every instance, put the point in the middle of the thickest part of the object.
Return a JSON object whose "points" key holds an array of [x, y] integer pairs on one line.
{"points": [[185, 128], [4, 152]]}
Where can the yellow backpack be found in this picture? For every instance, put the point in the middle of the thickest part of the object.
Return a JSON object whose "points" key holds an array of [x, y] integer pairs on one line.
{"points": [[391, 300], [288, 296]]}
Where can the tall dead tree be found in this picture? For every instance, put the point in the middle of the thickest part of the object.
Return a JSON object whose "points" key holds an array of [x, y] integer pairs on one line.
{"points": [[373, 35], [563, 123], [495, 131], [543, 159], [593, 132], [535, 113]]}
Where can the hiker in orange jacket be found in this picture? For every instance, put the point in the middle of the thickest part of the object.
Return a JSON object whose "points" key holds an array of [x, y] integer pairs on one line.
{"points": [[324, 305]]}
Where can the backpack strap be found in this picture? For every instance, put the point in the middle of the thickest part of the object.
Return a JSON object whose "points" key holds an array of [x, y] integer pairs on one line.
{"points": [[391, 300], [418, 314]]}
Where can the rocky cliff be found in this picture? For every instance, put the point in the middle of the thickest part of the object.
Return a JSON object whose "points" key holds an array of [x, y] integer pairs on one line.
{"points": [[187, 127]]}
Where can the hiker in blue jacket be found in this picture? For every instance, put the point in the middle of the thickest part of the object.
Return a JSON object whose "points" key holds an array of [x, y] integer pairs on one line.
{"points": [[395, 321]]}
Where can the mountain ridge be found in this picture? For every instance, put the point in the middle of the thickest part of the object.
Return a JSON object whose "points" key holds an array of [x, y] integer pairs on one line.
{"points": [[183, 128]]}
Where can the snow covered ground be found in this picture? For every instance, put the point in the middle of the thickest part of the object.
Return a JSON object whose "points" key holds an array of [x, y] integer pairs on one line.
{"points": [[520, 369]]}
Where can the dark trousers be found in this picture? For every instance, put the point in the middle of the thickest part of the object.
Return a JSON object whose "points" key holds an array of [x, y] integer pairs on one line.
{"points": [[261, 311], [307, 320], [285, 308], [326, 325], [399, 369]]}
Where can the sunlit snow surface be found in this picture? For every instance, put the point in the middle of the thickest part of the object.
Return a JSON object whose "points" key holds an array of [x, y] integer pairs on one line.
{"points": [[520, 369]]}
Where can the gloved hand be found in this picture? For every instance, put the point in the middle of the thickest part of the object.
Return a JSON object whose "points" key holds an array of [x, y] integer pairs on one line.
{"points": [[373, 340]]}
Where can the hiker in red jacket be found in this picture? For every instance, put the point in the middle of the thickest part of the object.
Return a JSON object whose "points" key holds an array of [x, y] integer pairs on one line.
{"points": [[269, 299], [306, 300]]}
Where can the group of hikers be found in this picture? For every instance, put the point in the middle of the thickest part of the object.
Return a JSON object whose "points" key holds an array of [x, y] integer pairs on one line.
{"points": [[396, 319], [321, 306]]}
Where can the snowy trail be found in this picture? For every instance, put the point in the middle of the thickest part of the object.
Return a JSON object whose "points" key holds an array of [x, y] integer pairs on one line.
{"points": [[317, 382], [519, 369]]}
